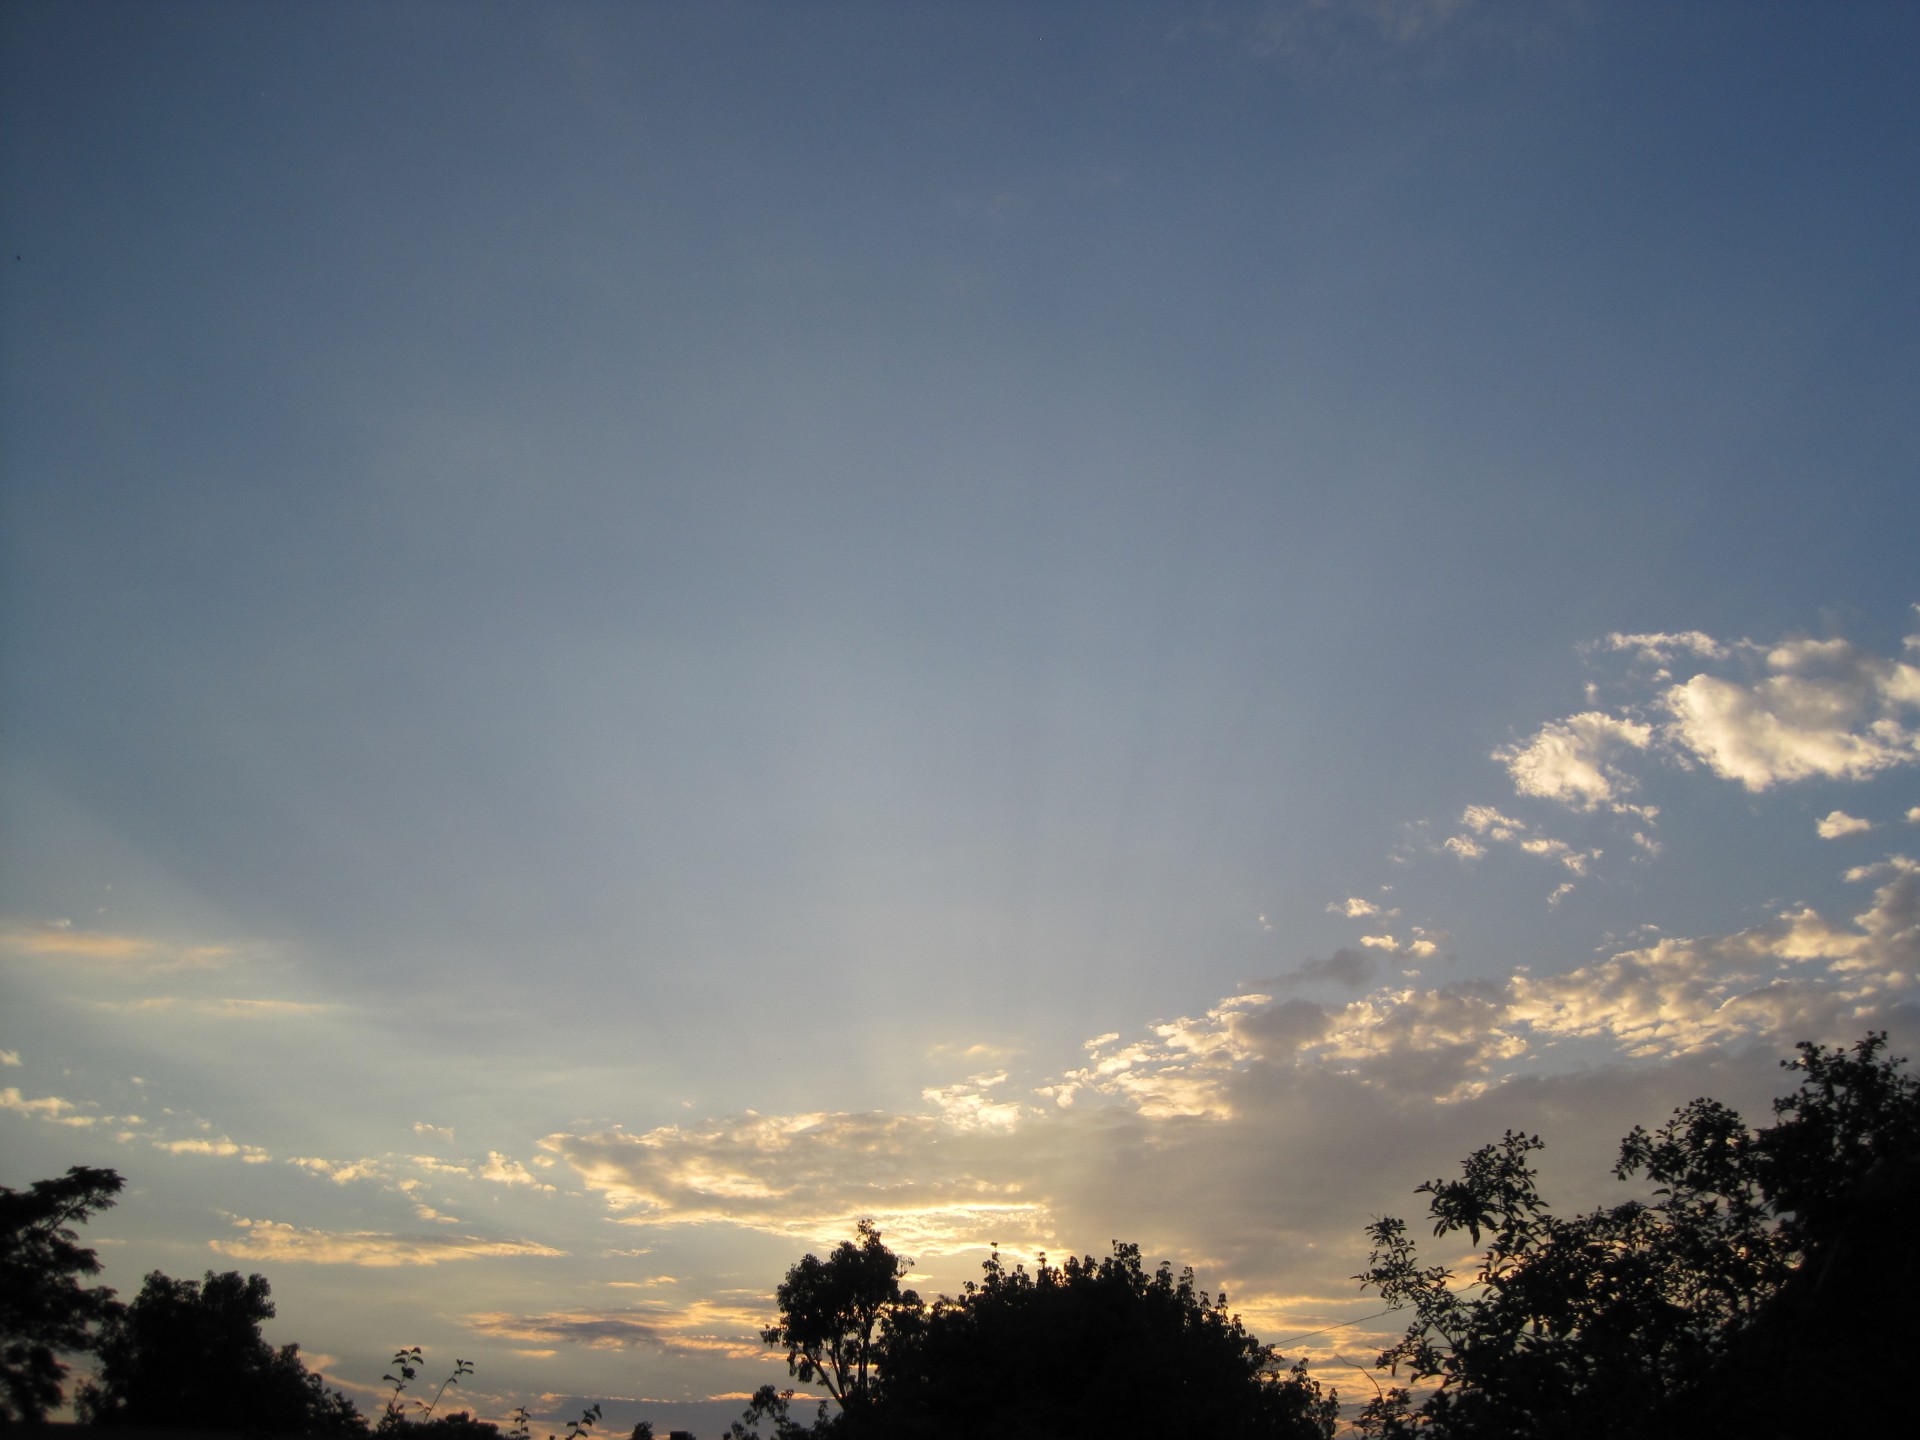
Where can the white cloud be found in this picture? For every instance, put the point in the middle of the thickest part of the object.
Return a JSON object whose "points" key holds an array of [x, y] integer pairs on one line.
{"points": [[1661, 648], [1572, 761], [1838, 824], [9, 1057], [1495, 828], [1820, 708], [1353, 907]]}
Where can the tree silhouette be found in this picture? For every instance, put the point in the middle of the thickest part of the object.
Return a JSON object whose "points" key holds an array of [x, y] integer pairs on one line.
{"points": [[1698, 1312], [187, 1354], [831, 1313], [1055, 1353], [44, 1309], [1070, 1351]]}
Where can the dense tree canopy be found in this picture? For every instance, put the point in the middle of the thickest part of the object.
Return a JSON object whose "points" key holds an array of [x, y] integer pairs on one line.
{"points": [[1078, 1349], [192, 1354], [44, 1309], [1701, 1311]]}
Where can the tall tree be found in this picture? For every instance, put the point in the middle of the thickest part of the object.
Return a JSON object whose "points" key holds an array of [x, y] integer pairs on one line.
{"points": [[187, 1354], [44, 1309], [831, 1313], [1697, 1311]]}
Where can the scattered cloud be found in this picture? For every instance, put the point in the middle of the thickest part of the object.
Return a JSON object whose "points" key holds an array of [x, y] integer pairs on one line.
{"points": [[342, 1172], [272, 1240], [9, 1057], [1353, 907], [1797, 709], [1486, 826], [220, 1147], [1839, 824]]}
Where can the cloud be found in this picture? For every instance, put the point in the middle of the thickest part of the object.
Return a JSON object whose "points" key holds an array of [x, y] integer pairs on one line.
{"points": [[708, 1329], [221, 1147], [9, 1057], [1820, 708], [342, 1172], [1662, 648], [47, 1107], [58, 938], [1488, 825], [1839, 824], [1572, 761], [501, 1170], [1354, 908], [272, 1240], [1769, 715]]}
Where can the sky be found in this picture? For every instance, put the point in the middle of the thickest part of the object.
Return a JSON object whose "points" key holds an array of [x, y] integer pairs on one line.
{"points": [[629, 633]]}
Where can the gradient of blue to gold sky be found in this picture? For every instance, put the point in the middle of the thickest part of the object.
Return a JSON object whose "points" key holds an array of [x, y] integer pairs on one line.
{"points": [[634, 631]]}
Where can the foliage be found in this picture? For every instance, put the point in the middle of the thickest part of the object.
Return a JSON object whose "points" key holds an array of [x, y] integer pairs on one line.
{"points": [[774, 1408], [187, 1354], [831, 1312], [1667, 1316], [1074, 1349], [44, 1309], [1063, 1351], [449, 1427]]}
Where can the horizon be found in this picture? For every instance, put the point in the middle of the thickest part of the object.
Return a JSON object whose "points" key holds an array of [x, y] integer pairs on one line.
{"points": [[629, 634]]}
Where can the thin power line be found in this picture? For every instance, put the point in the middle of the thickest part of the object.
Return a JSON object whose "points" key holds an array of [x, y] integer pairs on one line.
{"points": [[1340, 1326]]}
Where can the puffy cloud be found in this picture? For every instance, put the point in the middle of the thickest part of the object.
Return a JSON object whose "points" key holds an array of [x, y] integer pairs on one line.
{"points": [[1821, 708], [1839, 824], [1572, 761], [1354, 908], [272, 1240], [47, 1107], [1763, 715], [9, 1057]]}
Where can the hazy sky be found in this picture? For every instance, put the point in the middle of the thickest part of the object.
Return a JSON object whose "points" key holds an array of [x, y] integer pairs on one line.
{"points": [[633, 631]]}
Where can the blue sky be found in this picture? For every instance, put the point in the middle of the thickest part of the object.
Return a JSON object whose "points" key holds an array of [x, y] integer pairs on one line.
{"points": [[630, 632]]}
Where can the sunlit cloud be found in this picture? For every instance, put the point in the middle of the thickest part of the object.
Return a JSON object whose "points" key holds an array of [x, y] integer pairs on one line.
{"points": [[9, 1057], [1574, 761], [1797, 709], [273, 1240], [220, 1147], [1838, 824], [60, 939]]}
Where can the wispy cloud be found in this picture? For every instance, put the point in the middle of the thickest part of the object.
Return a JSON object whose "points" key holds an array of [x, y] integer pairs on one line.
{"points": [[61, 939], [709, 1329], [275, 1241]]}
